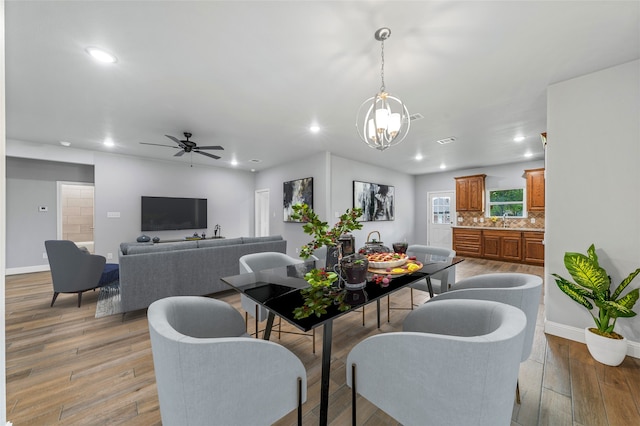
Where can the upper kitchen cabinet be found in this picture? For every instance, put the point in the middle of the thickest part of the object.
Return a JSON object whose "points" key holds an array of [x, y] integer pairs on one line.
{"points": [[470, 193], [535, 189]]}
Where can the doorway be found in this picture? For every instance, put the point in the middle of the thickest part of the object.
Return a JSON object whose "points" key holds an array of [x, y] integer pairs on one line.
{"points": [[439, 218], [76, 213], [261, 213]]}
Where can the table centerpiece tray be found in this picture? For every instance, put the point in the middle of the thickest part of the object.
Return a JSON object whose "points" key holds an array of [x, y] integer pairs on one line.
{"points": [[398, 270]]}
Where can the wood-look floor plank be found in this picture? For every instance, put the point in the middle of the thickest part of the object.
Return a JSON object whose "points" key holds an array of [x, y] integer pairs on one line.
{"points": [[64, 366]]}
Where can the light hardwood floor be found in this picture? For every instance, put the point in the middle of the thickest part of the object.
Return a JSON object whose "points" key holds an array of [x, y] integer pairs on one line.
{"points": [[66, 367]]}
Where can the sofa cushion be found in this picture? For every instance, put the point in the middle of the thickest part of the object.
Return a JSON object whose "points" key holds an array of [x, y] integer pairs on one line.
{"points": [[248, 240], [124, 247], [161, 247], [219, 242]]}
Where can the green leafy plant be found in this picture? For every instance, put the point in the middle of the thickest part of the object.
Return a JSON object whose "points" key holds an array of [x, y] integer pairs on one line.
{"points": [[322, 234], [593, 284], [319, 295]]}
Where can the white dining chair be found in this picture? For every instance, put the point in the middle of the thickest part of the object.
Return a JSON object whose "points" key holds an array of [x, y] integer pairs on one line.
{"points": [[481, 342], [520, 290], [205, 365]]}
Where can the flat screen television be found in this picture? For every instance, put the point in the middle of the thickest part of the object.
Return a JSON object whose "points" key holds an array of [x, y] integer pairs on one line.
{"points": [[169, 213]]}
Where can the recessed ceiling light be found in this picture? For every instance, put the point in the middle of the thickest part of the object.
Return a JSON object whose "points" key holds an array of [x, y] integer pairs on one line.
{"points": [[528, 154], [443, 166], [518, 139], [108, 142], [314, 128], [65, 143], [234, 162], [101, 55], [419, 157], [253, 170]]}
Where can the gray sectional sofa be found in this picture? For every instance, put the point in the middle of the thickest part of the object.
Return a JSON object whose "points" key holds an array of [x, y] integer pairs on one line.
{"points": [[149, 271]]}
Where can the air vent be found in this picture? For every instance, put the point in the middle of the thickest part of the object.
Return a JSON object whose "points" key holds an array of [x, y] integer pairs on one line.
{"points": [[446, 140], [255, 160], [417, 116]]}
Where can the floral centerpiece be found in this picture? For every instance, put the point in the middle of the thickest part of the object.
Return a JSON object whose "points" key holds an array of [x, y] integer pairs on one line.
{"points": [[321, 292], [319, 295], [322, 234]]}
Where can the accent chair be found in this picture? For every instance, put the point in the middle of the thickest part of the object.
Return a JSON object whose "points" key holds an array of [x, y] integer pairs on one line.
{"points": [[210, 372], [401, 372]]}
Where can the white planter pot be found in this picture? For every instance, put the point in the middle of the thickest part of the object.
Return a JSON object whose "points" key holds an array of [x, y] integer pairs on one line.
{"points": [[607, 351]]}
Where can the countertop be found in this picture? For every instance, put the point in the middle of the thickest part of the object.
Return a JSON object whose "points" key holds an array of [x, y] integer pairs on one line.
{"points": [[498, 228]]}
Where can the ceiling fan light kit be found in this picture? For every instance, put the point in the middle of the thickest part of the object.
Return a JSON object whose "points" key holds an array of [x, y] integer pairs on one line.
{"points": [[382, 120]]}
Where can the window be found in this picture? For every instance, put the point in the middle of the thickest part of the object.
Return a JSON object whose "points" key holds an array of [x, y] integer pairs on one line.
{"points": [[441, 211], [508, 202]]}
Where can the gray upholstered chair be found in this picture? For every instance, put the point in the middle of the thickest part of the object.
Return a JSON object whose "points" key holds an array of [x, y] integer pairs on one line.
{"points": [[515, 289], [441, 281], [257, 262], [75, 271], [481, 343], [209, 371]]}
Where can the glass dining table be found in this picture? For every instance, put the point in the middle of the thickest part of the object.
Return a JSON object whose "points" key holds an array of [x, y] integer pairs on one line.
{"points": [[280, 291]]}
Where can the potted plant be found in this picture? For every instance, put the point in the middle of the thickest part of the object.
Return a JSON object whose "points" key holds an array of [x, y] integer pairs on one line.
{"points": [[354, 271], [322, 234], [593, 286]]}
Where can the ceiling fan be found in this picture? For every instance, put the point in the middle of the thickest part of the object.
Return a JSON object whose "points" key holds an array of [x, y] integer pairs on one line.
{"points": [[187, 146]]}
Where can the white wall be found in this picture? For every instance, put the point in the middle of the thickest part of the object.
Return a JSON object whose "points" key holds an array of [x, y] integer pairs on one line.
{"points": [[333, 178], [344, 172], [593, 187], [30, 184], [120, 182], [3, 246], [506, 176], [273, 179]]}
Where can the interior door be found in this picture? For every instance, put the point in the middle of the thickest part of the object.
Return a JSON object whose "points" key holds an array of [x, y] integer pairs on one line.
{"points": [[440, 216], [262, 213]]}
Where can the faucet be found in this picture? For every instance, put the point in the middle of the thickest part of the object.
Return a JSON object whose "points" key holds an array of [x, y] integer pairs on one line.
{"points": [[504, 220]]}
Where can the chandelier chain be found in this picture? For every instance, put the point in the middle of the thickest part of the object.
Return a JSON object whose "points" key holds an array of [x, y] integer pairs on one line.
{"points": [[382, 66]]}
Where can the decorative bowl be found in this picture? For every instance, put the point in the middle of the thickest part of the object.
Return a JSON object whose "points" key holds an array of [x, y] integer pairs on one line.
{"points": [[386, 260]]}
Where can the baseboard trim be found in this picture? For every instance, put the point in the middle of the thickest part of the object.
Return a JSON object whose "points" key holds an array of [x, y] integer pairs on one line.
{"points": [[26, 270], [577, 335]]}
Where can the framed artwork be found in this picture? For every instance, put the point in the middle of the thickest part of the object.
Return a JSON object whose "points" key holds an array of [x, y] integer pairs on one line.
{"points": [[295, 192], [376, 201]]}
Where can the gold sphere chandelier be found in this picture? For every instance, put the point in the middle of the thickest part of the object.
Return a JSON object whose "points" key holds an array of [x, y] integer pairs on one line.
{"points": [[383, 120]]}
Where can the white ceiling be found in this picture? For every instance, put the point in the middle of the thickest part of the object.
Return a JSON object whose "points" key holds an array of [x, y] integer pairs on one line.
{"points": [[252, 76]]}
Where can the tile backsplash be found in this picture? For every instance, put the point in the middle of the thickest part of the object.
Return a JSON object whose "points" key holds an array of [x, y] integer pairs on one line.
{"points": [[525, 222]]}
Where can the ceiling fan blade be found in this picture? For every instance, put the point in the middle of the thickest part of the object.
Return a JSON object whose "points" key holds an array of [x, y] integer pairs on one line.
{"points": [[175, 140], [211, 147], [207, 154], [157, 144], [179, 153]]}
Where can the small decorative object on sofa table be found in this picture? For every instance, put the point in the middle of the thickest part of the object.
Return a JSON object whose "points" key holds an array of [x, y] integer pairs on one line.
{"points": [[592, 283], [143, 239]]}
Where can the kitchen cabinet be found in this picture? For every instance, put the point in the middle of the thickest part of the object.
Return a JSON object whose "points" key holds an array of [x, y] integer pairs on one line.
{"points": [[502, 245], [533, 248], [470, 193], [535, 190], [467, 242]]}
